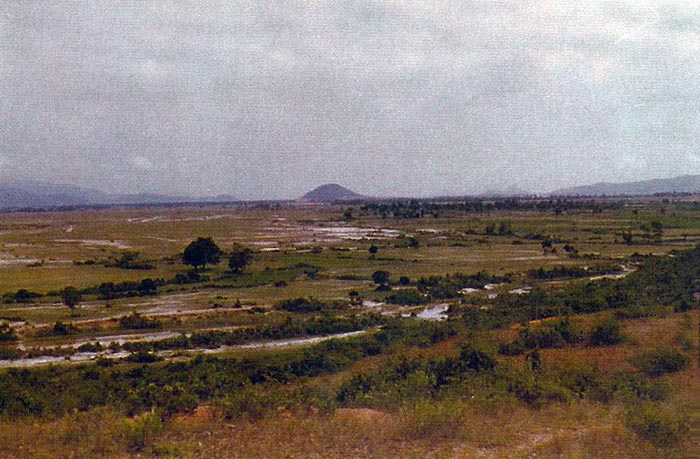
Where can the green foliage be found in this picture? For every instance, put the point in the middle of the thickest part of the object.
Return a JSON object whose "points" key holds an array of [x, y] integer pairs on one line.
{"points": [[572, 272], [241, 257], [63, 329], [144, 357], [21, 296], [71, 297], [552, 334], [659, 424], [144, 287], [255, 402], [310, 304], [129, 260], [407, 297], [476, 359], [660, 361], [605, 332], [136, 321], [381, 277], [200, 252], [7, 333], [140, 432], [432, 420]]}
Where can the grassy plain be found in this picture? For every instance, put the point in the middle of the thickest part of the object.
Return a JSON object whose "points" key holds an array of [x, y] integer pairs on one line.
{"points": [[314, 251]]}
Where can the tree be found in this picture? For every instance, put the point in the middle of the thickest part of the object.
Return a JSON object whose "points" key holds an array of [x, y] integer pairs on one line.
{"points": [[627, 237], [7, 333], [201, 252], [241, 257], [381, 278], [373, 249], [71, 296]]}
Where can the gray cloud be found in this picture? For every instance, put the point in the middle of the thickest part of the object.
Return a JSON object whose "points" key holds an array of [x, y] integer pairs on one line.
{"points": [[268, 99]]}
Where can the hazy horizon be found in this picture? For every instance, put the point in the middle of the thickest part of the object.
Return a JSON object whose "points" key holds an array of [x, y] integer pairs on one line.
{"points": [[269, 100]]}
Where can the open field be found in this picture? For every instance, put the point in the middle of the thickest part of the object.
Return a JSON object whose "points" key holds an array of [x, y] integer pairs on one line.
{"points": [[515, 331]]}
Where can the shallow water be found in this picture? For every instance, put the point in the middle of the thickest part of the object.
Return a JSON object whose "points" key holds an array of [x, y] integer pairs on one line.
{"points": [[437, 312], [108, 354]]}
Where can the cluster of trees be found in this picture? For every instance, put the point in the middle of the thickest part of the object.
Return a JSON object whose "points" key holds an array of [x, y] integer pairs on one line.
{"points": [[136, 321], [129, 260], [417, 209], [572, 272], [661, 284], [204, 251], [310, 304], [562, 333]]}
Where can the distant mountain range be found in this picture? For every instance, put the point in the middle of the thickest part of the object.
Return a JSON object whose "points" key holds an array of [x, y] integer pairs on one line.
{"points": [[682, 184], [21, 194], [330, 193]]}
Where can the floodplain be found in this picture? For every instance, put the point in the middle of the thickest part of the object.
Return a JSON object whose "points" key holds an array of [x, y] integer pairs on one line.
{"points": [[477, 328]]}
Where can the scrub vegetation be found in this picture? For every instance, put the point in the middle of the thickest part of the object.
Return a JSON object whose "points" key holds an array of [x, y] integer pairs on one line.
{"points": [[506, 328]]}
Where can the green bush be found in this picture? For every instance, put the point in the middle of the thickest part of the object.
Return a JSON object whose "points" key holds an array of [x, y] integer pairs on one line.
{"points": [[140, 432], [407, 296], [475, 359], [658, 424], [7, 333], [660, 361], [606, 332], [63, 329], [310, 304], [552, 334], [136, 321], [427, 419]]}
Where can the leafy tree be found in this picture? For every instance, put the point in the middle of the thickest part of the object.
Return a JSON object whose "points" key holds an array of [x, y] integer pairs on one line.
{"points": [[504, 229], [381, 278], [373, 249], [201, 252], [547, 245], [241, 257], [605, 333], [7, 333], [71, 297], [657, 229]]}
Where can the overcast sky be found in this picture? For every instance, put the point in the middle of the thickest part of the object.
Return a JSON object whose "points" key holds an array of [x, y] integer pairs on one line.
{"points": [[269, 99]]}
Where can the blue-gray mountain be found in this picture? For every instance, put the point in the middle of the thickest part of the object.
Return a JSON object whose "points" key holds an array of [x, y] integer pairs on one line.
{"points": [[20, 194], [330, 193], [682, 184]]}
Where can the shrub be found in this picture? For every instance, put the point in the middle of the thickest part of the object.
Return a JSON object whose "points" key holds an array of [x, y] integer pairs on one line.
{"points": [[140, 432], [605, 333], [144, 357], [308, 304], [7, 333], [63, 329], [658, 424], [660, 361], [136, 321], [475, 359], [407, 297], [431, 420], [551, 334]]}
